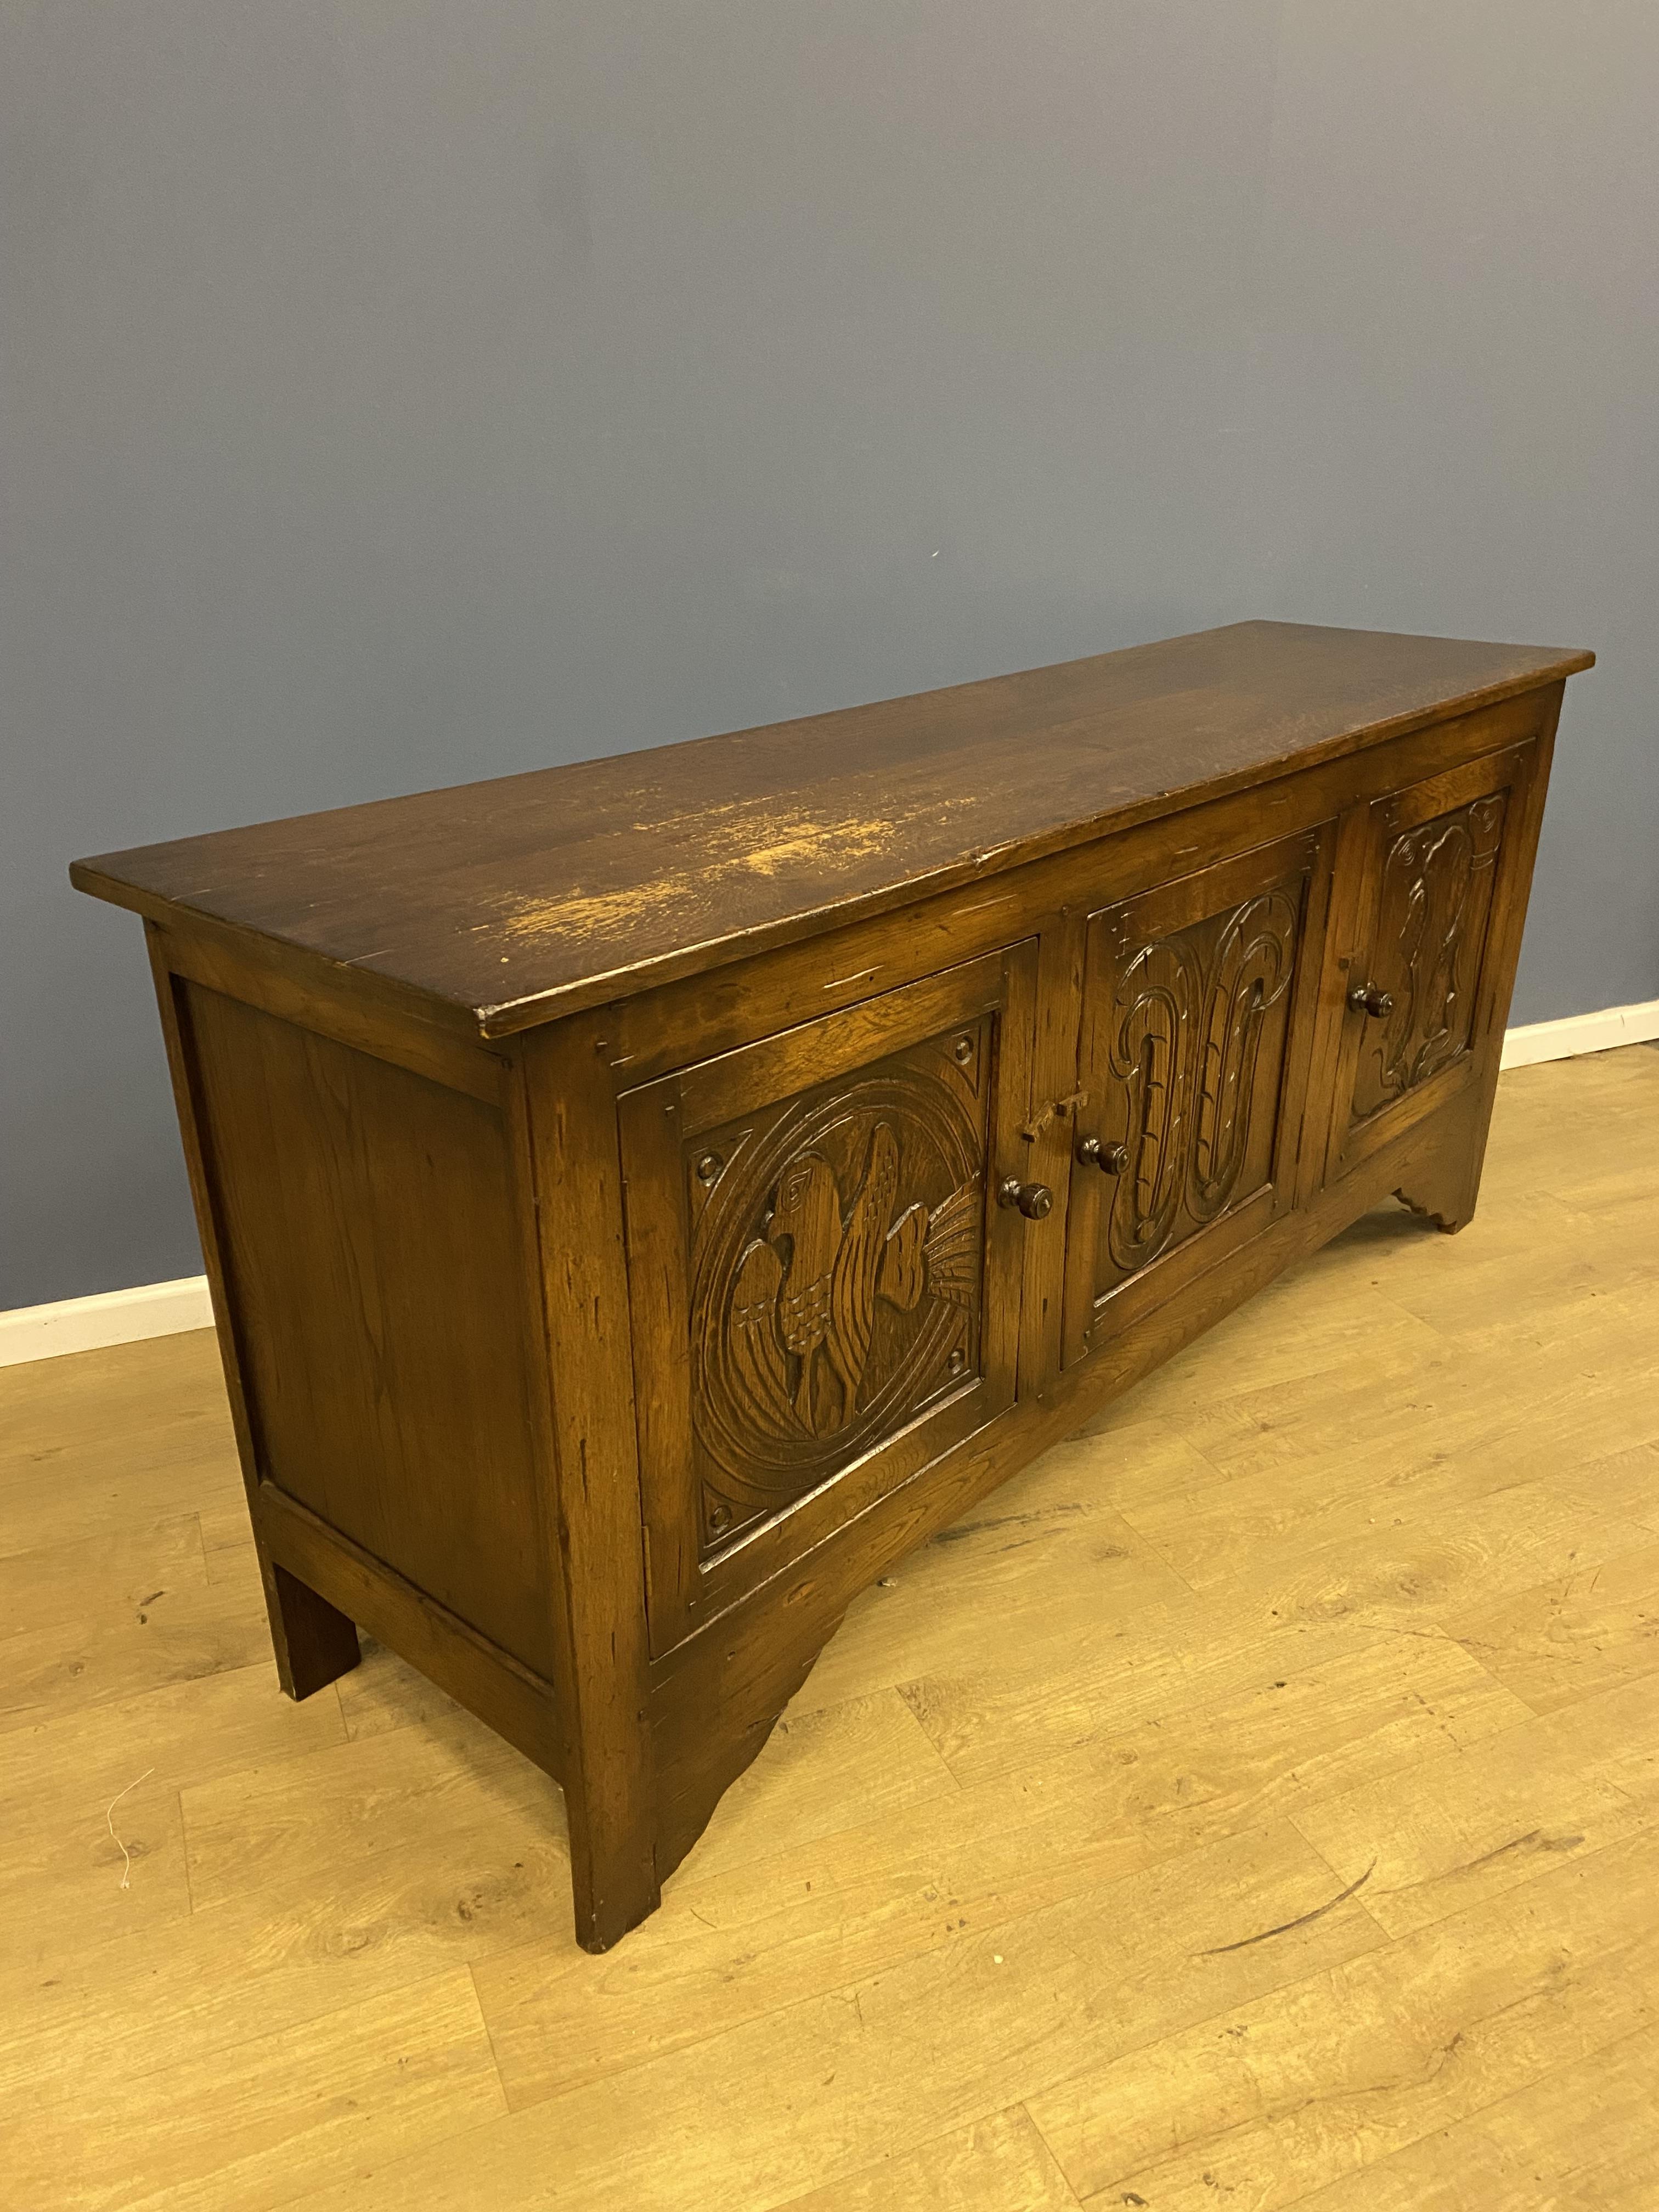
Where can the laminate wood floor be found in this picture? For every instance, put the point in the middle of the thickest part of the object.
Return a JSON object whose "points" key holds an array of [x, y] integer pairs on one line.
{"points": [[1254, 1803]]}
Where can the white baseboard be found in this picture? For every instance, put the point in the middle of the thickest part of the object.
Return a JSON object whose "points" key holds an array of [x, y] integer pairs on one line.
{"points": [[162, 1309], [106, 1317], [1577, 1033]]}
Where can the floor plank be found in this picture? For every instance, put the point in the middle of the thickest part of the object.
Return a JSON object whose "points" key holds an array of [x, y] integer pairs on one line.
{"points": [[1565, 1639], [248, 2129], [106, 1617], [1473, 1820], [1274, 1718], [818, 2091], [1583, 2140], [122, 1438], [728, 1947], [1255, 1801], [1002, 2161], [1321, 2078]]}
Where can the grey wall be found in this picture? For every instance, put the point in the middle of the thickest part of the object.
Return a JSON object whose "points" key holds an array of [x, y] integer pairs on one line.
{"points": [[401, 390]]}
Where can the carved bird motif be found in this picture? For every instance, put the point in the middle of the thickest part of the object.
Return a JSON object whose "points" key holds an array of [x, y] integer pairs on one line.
{"points": [[803, 1308]]}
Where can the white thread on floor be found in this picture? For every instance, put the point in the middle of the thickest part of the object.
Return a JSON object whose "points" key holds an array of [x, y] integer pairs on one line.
{"points": [[109, 1822]]}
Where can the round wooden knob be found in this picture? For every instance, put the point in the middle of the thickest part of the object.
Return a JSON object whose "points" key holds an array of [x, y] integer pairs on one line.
{"points": [[1366, 998], [1110, 1159], [1034, 1199]]}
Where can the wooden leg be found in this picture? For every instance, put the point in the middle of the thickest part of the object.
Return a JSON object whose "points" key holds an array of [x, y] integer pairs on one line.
{"points": [[1445, 1195], [314, 1644], [562, 1116], [613, 1875], [1443, 1180]]}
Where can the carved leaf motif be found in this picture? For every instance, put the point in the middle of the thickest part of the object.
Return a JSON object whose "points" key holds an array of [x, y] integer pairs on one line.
{"points": [[903, 1275], [806, 1226], [837, 1278], [952, 1246], [758, 1362], [853, 1300]]}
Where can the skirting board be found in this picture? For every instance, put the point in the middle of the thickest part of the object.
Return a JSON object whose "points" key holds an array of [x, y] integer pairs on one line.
{"points": [[1575, 1033], [106, 1317], [163, 1308]]}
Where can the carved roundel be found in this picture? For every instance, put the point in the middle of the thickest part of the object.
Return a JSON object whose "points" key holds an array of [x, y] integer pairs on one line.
{"points": [[836, 1262]]}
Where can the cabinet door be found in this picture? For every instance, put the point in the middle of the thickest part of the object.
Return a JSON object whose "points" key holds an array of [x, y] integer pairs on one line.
{"points": [[825, 1291], [1198, 998], [1416, 985]]}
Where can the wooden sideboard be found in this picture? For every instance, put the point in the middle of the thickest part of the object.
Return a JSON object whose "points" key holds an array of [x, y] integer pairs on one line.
{"points": [[642, 1199]]}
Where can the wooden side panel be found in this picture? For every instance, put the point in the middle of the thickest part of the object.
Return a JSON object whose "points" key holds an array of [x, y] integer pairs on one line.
{"points": [[280, 980], [313, 1643], [371, 1274], [327, 1569]]}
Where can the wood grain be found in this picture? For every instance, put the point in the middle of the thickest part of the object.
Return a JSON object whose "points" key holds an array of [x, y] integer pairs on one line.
{"points": [[567, 1172], [595, 1346], [499, 904], [367, 1243], [1002, 2160], [250, 2124], [1325, 2079], [946, 1943]]}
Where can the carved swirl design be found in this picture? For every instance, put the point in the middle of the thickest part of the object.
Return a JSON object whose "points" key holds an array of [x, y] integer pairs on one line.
{"points": [[1187, 1020], [1151, 1045], [1250, 973], [1437, 891], [835, 1283]]}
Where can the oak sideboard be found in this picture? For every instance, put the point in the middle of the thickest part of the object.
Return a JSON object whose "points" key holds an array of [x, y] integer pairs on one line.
{"points": [[642, 1199]]}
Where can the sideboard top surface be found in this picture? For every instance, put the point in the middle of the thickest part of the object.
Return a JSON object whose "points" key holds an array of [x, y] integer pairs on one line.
{"points": [[498, 905]]}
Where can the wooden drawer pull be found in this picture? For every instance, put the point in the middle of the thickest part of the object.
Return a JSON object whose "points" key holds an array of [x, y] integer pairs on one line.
{"points": [[1110, 1159], [1034, 1199]]}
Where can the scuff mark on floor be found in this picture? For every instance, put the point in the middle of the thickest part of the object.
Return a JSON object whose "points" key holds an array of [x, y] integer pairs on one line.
{"points": [[1302, 1920]]}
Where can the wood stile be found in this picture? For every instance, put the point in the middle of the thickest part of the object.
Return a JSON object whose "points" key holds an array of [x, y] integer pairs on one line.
{"points": [[619, 1261]]}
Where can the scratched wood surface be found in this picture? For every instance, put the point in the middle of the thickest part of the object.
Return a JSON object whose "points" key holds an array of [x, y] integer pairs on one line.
{"points": [[1257, 1803], [502, 902]]}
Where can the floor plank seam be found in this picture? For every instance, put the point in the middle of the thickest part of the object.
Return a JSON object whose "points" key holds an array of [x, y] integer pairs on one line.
{"points": [[1393, 1945], [1096, 1882], [1458, 1912], [490, 2038], [1475, 2113], [183, 1840], [1070, 2186], [898, 1689]]}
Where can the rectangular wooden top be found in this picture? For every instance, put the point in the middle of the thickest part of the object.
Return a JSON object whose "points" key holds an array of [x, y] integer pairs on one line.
{"points": [[495, 906]]}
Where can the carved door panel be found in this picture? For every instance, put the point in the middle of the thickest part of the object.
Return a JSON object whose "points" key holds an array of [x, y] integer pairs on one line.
{"points": [[824, 1292], [1413, 983], [1199, 999]]}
